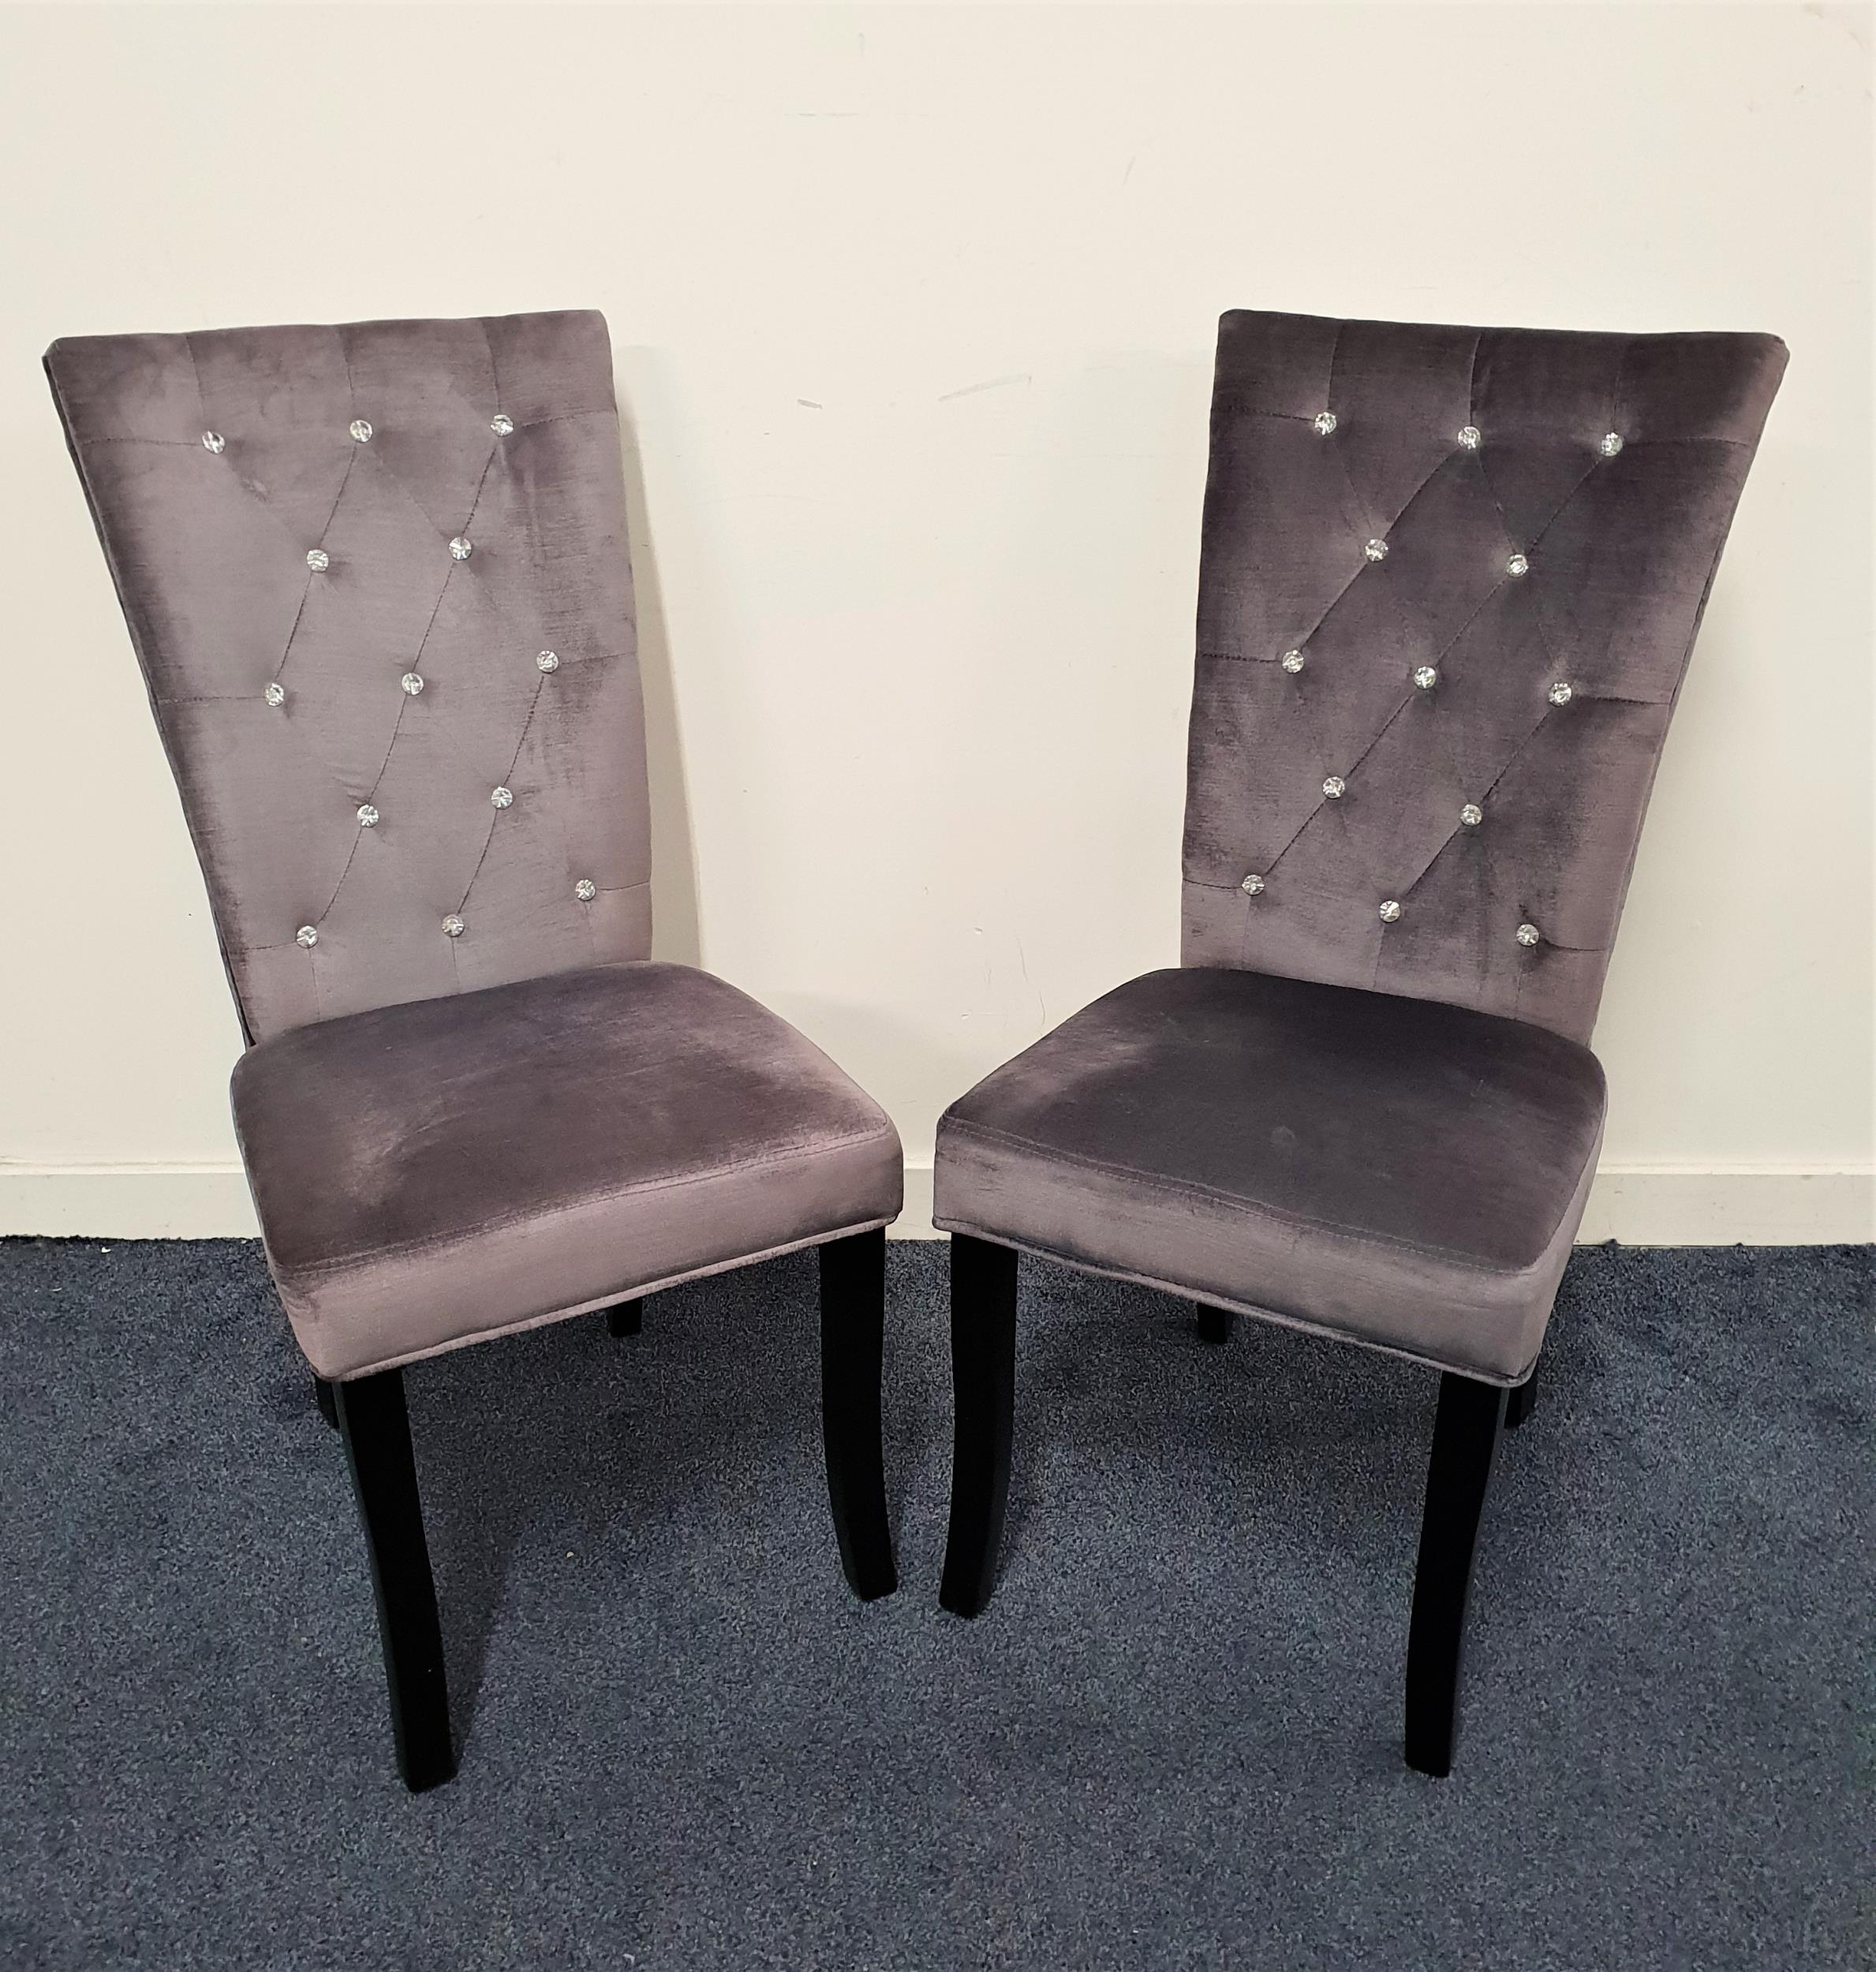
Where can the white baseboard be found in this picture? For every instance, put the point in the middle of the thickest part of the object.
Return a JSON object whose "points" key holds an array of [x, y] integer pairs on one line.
{"points": [[1640, 1206], [127, 1201]]}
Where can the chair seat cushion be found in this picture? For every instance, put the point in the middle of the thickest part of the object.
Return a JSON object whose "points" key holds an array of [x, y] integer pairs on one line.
{"points": [[1397, 1172], [430, 1174]]}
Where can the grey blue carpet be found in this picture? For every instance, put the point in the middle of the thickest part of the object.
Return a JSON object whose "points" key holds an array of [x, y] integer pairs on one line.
{"points": [[1172, 1742]]}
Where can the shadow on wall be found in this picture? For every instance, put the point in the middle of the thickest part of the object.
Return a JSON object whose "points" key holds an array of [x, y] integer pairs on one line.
{"points": [[675, 933], [1084, 561]]}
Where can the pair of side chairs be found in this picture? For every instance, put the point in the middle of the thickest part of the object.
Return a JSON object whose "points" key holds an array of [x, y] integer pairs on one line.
{"points": [[377, 579]]}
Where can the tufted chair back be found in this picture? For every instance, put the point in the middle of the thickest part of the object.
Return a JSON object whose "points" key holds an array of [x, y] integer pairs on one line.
{"points": [[377, 579], [1450, 580]]}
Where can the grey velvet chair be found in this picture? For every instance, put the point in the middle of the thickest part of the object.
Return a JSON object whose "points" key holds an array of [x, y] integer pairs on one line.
{"points": [[377, 579], [1450, 579]]}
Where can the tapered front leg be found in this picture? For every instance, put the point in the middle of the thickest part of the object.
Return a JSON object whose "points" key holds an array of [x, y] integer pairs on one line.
{"points": [[1520, 1402], [1457, 1475], [625, 1318], [376, 1427], [328, 1404], [853, 1321], [984, 1386]]}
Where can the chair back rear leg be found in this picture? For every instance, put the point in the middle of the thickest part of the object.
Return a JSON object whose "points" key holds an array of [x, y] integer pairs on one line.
{"points": [[1215, 1324], [625, 1318], [376, 1427], [983, 1396], [1465, 1439], [1520, 1402], [328, 1404], [853, 1322]]}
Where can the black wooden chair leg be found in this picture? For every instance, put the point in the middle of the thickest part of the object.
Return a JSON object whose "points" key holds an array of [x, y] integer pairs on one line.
{"points": [[627, 1318], [375, 1428], [1465, 1439], [984, 1386], [1520, 1402], [321, 1395], [1215, 1324], [853, 1319]]}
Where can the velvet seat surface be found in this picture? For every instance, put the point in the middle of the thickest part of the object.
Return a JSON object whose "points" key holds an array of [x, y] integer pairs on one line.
{"points": [[1450, 580], [1345, 1160], [436, 1172]]}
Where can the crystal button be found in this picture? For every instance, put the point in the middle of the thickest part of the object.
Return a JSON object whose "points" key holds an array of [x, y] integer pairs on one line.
{"points": [[453, 926], [1518, 565], [1291, 662], [1390, 911], [412, 683], [586, 890], [1528, 935], [503, 797], [1335, 787], [1611, 445], [213, 441], [307, 935], [1426, 677], [461, 548], [501, 424], [1471, 815], [1325, 422], [1376, 550], [275, 693], [318, 560], [548, 661], [361, 430], [368, 816], [1252, 885], [1468, 437], [1559, 693]]}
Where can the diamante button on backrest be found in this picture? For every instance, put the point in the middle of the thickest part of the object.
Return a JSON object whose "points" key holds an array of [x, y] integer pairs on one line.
{"points": [[1335, 787], [1518, 565], [412, 683], [213, 441], [1376, 550], [1390, 911], [1611, 445], [1529, 935], [548, 661], [502, 797], [275, 693], [453, 926], [1469, 436], [1292, 662], [1252, 885], [1471, 815], [318, 560], [501, 424], [1426, 677], [586, 890], [368, 816], [361, 430], [1560, 694], [461, 548], [306, 935], [1325, 422]]}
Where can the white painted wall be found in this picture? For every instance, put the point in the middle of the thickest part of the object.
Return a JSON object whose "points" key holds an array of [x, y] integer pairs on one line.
{"points": [[914, 311]]}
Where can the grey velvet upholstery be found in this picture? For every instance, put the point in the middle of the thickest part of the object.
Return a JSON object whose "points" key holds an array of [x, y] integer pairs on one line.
{"points": [[1454, 575], [209, 552], [468, 1110], [1621, 551], [442, 1172], [1347, 1161]]}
